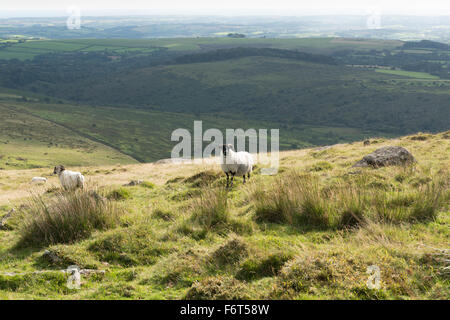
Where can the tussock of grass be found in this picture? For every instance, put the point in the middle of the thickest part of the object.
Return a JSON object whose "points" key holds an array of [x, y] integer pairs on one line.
{"points": [[148, 185], [342, 273], [174, 180], [163, 214], [185, 194], [321, 166], [259, 267], [63, 256], [65, 218], [117, 290], [50, 282], [428, 201], [309, 273], [218, 288], [295, 200], [230, 252], [211, 210], [180, 269], [132, 246], [203, 178], [211, 213], [53, 190], [119, 194], [421, 137], [298, 200], [418, 205]]}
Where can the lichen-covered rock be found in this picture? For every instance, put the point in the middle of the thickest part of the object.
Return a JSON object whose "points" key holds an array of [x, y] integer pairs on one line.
{"points": [[51, 257], [386, 156], [134, 183]]}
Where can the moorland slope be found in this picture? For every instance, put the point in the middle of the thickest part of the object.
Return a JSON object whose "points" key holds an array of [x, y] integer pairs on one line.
{"points": [[311, 231]]}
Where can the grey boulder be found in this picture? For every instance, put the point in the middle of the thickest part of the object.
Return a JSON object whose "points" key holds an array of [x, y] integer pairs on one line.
{"points": [[386, 156]]}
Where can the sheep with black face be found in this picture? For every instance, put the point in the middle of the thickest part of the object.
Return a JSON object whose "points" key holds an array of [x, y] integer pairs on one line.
{"points": [[236, 163], [70, 180]]}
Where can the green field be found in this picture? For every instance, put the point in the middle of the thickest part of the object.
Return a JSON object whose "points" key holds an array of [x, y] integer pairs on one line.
{"points": [[31, 48], [30, 142], [410, 74]]}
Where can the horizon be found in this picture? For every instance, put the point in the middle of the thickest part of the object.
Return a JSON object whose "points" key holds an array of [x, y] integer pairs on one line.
{"points": [[54, 8], [59, 14]]}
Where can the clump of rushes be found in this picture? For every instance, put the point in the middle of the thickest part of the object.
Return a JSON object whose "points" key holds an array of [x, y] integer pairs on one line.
{"points": [[66, 217], [294, 199], [210, 213], [210, 210], [299, 201]]}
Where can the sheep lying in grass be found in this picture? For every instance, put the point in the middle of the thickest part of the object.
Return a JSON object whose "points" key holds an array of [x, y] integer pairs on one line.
{"points": [[39, 180], [236, 163], [69, 180]]}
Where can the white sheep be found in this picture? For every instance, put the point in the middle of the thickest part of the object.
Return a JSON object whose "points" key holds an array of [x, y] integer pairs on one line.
{"points": [[39, 180], [69, 180], [236, 163]]}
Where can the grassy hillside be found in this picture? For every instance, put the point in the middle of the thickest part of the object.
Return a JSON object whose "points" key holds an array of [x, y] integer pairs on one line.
{"points": [[311, 231], [145, 134], [27, 142]]}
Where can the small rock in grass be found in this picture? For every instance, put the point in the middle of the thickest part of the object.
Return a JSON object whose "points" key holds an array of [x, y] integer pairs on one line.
{"points": [[134, 183]]}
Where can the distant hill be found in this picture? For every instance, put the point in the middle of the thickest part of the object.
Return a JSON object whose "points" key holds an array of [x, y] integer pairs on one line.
{"points": [[426, 44], [242, 52], [286, 91]]}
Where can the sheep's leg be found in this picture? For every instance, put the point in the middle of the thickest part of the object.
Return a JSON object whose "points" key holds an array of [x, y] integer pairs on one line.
{"points": [[79, 183], [244, 178], [249, 176], [228, 179], [232, 178]]}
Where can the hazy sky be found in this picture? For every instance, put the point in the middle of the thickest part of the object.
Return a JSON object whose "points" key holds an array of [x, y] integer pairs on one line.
{"points": [[226, 7]]}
